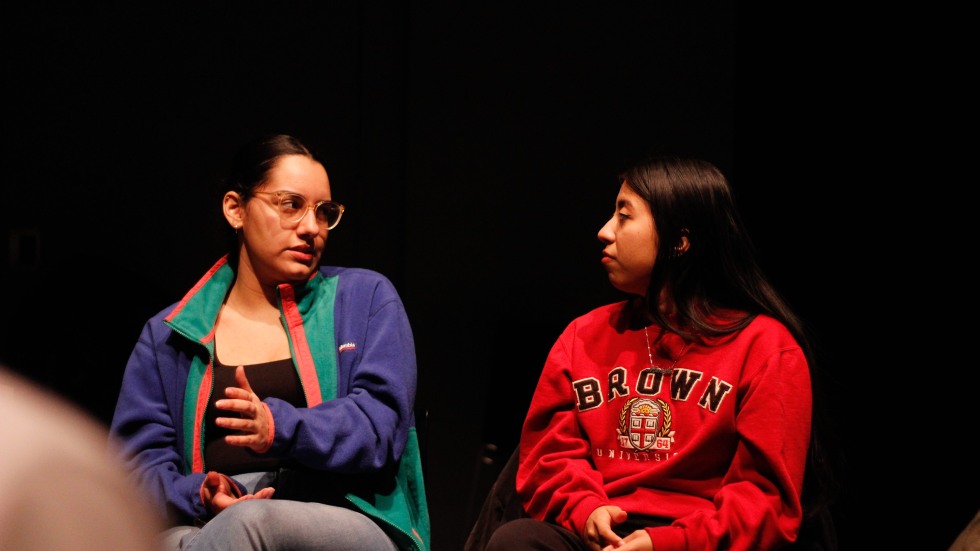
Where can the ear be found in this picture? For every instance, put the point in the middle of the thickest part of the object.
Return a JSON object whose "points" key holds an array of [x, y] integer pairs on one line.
{"points": [[683, 244], [233, 207]]}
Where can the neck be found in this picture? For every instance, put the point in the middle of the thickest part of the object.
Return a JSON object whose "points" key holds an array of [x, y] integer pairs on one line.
{"points": [[248, 294]]}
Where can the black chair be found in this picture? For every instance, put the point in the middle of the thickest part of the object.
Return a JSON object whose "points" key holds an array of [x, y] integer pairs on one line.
{"points": [[501, 505]]}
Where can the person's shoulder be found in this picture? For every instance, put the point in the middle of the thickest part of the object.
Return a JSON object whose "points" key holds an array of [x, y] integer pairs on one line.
{"points": [[356, 276], [351, 272], [362, 282], [613, 308], [607, 315], [769, 328], [766, 323]]}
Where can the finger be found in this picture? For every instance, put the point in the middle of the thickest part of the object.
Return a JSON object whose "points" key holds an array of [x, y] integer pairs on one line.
{"points": [[607, 535], [618, 516], [221, 502], [238, 393], [244, 407], [265, 493], [235, 423], [635, 540], [241, 440], [242, 379]]}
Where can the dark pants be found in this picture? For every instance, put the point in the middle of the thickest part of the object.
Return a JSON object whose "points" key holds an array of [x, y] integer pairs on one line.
{"points": [[529, 534]]}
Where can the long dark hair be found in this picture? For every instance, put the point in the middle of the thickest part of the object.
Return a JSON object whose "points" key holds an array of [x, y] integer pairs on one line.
{"points": [[717, 286]]}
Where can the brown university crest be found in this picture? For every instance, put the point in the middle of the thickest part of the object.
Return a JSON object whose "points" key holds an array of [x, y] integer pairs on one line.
{"points": [[644, 424]]}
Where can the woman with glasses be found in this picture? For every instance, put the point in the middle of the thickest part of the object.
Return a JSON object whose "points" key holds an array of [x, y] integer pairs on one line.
{"points": [[680, 417], [272, 406]]}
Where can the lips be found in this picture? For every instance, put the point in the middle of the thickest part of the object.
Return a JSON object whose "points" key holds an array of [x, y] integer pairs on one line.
{"points": [[303, 254]]}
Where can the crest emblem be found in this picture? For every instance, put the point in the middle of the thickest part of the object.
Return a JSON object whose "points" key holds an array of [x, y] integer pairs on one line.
{"points": [[645, 424]]}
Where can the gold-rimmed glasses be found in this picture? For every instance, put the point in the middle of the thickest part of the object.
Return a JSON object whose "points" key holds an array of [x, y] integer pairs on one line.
{"points": [[292, 208]]}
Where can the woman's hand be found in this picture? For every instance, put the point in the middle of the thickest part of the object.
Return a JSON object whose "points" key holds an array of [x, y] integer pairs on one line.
{"points": [[637, 541], [598, 533], [254, 425], [218, 492]]}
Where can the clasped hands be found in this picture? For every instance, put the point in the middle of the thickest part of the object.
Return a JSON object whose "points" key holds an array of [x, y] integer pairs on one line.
{"points": [[599, 534], [253, 423]]}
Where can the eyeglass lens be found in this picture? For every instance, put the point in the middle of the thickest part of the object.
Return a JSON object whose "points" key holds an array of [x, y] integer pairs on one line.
{"points": [[292, 207]]}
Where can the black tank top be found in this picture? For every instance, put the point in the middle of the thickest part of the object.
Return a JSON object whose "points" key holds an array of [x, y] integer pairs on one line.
{"points": [[276, 379]]}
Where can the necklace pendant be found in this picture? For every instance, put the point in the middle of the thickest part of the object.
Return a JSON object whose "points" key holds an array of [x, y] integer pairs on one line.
{"points": [[657, 369]]}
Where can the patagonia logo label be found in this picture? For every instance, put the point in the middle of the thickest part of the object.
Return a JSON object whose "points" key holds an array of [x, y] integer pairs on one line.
{"points": [[347, 346]]}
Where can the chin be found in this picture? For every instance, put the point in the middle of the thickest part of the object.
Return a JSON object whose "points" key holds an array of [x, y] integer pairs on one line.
{"points": [[299, 274]]}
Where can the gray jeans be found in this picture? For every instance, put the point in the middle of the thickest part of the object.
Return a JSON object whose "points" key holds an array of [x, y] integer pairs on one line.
{"points": [[280, 525]]}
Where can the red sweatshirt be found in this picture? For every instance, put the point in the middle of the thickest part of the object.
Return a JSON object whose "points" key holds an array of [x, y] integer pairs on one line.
{"points": [[719, 445]]}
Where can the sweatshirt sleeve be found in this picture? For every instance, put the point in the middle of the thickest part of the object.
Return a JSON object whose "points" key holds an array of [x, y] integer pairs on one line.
{"points": [[555, 478], [758, 503]]}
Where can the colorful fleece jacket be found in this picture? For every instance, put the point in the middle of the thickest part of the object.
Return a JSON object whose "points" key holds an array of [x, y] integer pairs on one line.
{"points": [[718, 447], [353, 348]]}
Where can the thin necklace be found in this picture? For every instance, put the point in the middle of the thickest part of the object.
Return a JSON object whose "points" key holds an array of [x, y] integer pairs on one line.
{"points": [[661, 370]]}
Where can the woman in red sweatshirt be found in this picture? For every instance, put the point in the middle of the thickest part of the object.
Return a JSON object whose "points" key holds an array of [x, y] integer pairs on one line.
{"points": [[679, 418]]}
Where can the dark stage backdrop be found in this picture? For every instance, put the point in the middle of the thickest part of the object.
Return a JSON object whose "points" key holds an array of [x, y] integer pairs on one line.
{"points": [[476, 148]]}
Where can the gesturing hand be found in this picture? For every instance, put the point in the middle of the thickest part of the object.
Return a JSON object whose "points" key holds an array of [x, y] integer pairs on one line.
{"points": [[255, 421]]}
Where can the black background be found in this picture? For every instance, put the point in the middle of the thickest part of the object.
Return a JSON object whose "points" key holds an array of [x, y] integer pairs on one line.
{"points": [[476, 149]]}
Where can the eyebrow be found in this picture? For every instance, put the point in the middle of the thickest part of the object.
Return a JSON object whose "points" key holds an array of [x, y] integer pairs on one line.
{"points": [[291, 192]]}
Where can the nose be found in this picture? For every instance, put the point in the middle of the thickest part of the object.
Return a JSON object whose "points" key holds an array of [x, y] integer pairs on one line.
{"points": [[606, 234], [307, 223]]}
